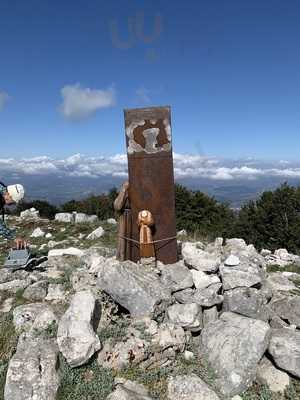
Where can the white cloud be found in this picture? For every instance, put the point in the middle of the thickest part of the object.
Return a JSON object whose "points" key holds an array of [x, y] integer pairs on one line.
{"points": [[4, 97], [80, 103], [185, 166]]}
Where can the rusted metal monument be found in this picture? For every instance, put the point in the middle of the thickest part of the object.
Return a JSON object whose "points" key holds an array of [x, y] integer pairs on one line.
{"points": [[151, 190]]}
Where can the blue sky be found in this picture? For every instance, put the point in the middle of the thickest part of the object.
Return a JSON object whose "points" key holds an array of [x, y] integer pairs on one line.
{"points": [[229, 70]]}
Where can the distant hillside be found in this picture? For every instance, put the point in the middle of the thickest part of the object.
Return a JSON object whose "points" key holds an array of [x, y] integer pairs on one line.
{"points": [[59, 189]]}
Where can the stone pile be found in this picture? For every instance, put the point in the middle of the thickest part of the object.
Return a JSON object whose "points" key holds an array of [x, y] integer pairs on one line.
{"points": [[217, 302], [76, 218], [31, 213]]}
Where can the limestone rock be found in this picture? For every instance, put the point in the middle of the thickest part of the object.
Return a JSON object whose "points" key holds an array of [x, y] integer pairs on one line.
{"points": [[170, 335], [75, 336], [188, 316], [199, 259], [129, 390], [281, 258], [131, 351], [277, 281], [31, 213], [265, 252], [233, 345], [287, 307], [71, 251], [32, 371], [203, 280], [235, 244], [189, 387], [284, 255], [81, 279], [267, 374], [56, 292], [15, 285], [111, 221], [44, 320], [185, 296], [176, 276], [81, 218], [249, 302], [210, 315], [37, 291], [285, 350], [239, 276], [7, 305], [188, 355], [209, 296], [37, 233], [277, 323], [232, 261], [25, 315], [96, 234], [137, 289], [64, 217]]}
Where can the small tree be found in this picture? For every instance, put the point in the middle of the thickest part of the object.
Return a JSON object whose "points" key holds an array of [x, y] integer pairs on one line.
{"points": [[198, 212], [273, 221], [46, 209]]}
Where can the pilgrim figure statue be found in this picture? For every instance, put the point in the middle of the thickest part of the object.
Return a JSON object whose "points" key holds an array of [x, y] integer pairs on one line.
{"points": [[122, 206]]}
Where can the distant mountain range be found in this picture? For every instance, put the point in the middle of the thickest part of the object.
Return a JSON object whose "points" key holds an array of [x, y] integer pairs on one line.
{"points": [[58, 190], [78, 176]]}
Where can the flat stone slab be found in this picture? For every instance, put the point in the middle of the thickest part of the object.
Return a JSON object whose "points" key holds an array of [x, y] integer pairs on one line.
{"points": [[233, 346], [189, 387], [75, 335], [32, 371], [287, 307], [240, 276], [136, 288], [285, 349]]}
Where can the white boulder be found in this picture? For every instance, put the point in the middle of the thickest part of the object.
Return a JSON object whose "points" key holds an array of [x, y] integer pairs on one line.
{"points": [[71, 251], [64, 217], [111, 221], [81, 218], [75, 336], [38, 232], [199, 259], [96, 234], [31, 213], [203, 280], [232, 261]]}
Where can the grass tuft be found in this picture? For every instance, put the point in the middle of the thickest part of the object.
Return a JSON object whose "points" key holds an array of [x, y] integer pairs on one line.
{"points": [[8, 343], [88, 382]]}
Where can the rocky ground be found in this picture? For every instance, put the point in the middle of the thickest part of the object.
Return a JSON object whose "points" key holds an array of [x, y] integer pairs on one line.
{"points": [[222, 323]]}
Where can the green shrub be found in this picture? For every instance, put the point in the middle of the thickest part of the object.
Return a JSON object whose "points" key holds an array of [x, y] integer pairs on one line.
{"points": [[197, 212], [46, 209], [272, 221]]}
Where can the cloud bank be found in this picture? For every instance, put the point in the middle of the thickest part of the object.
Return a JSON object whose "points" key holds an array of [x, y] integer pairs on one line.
{"points": [[81, 103], [185, 166]]}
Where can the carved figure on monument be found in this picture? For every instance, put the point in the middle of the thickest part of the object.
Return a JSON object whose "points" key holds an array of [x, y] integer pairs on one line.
{"points": [[145, 221], [122, 206]]}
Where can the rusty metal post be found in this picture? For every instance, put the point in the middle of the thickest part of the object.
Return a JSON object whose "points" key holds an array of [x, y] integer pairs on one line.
{"points": [[151, 177]]}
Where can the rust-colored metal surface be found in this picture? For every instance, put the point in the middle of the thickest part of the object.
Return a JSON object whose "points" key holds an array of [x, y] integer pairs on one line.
{"points": [[151, 177]]}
